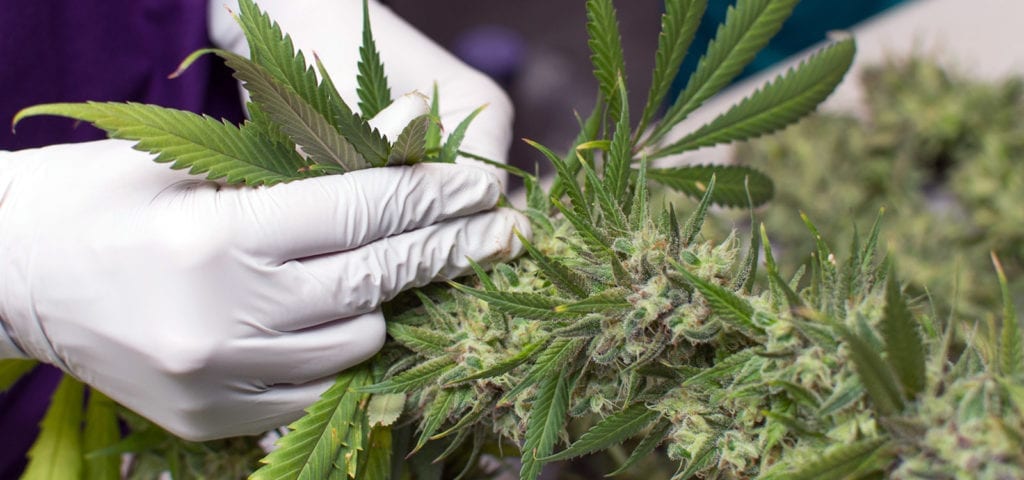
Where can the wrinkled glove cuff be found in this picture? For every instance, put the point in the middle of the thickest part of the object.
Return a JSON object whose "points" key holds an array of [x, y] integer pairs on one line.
{"points": [[8, 349]]}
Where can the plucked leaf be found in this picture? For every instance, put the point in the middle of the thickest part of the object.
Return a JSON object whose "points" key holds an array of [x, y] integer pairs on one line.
{"points": [[612, 430], [298, 119], [903, 345], [730, 187], [527, 305], [270, 48], [876, 375], [1011, 352], [413, 378], [410, 147], [311, 448], [374, 93], [425, 341], [101, 431], [385, 408], [200, 143], [748, 27], [646, 446], [737, 312], [506, 365], [545, 422], [678, 27], [838, 462], [57, 451], [606, 51], [777, 104], [12, 369], [450, 150]]}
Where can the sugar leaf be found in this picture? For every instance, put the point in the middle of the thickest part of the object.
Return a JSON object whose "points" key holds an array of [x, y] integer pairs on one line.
{"points": [[12, 369], [903, 345], [101, 430], [545, 422], [611, 430]]}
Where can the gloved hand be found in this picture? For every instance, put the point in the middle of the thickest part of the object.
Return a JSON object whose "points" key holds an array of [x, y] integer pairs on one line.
{"points": [[333, 29], [216, 310]]}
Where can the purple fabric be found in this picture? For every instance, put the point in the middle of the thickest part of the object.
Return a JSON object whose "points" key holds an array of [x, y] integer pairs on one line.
{"points": [[77, 50]]}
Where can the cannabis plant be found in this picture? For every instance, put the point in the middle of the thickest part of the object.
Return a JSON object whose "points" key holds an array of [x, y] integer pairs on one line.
{"points": [[939, 151], [623, 325]]}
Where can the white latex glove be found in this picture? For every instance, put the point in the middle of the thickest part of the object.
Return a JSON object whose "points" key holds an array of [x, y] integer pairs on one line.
{"points": [[333, 29], [213, 310]]}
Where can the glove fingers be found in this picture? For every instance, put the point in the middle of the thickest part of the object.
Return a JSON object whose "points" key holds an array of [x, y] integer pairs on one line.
{"points": [[341, 212], [305, 355], [331, 286], [255, 413]]}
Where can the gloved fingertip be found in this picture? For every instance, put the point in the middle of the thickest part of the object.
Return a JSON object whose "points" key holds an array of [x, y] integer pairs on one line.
{"points": [[392, 120]]}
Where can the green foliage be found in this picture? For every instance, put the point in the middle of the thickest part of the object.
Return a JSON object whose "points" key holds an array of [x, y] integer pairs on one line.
{"points": [[199, 143], [57, 452], [327, 438], [101, 430], [12, 369], [678, 27], [622, 323], [732, 183], [778, 104], [374, 93], [747, 29]]}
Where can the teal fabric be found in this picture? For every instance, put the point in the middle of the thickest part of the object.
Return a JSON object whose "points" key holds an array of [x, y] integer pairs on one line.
{"points": [[809, 24]]}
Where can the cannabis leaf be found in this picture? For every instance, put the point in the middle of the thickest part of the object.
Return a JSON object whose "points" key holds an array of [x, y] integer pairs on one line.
{"points": [[779, 103], [678, 27], [612, 430], [315, 443], [545, 422], [57, 452], [747, 29], [374, 93], [903, 346], [606, 47], [101, 431], [12, 369], [731, 187], [199, 143]]}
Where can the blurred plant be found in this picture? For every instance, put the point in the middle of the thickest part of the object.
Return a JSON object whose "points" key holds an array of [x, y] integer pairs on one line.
{"points": [[939, 151]]}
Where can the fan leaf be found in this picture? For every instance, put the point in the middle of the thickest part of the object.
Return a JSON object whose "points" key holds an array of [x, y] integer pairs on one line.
{"points": [[606, 52], [678, 27], [199, 143], [748, 27], [731, 183], [374, 93], [777, 104]]}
